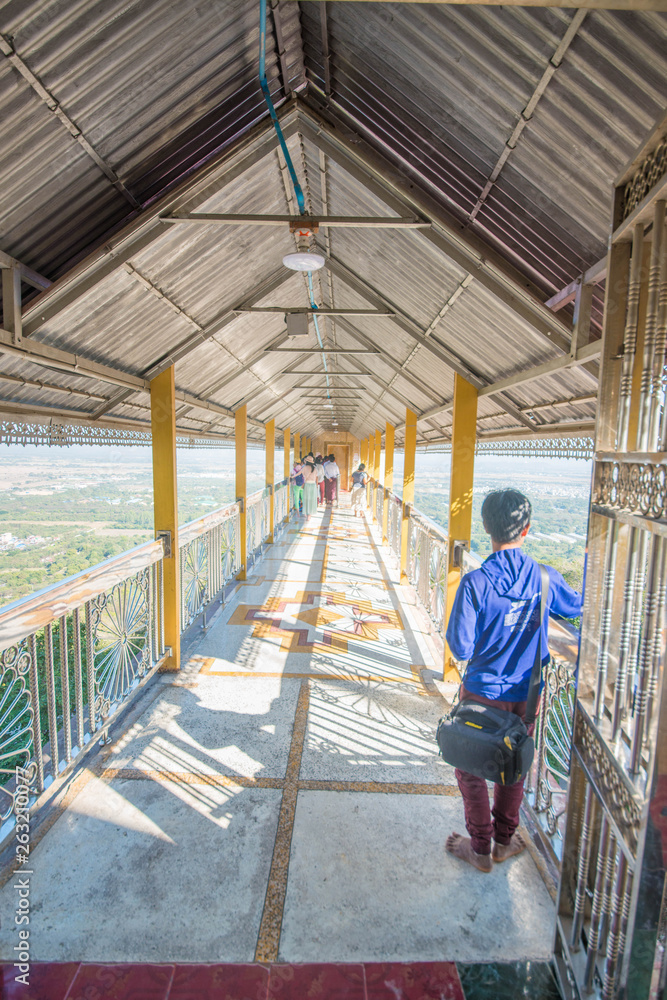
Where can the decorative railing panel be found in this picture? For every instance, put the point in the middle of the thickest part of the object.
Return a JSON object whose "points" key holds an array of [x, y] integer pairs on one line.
{"points": [[395, 517], [379, 503], [427, 565], [612, 933], [280, 505], [209, 549], [70, 656]]}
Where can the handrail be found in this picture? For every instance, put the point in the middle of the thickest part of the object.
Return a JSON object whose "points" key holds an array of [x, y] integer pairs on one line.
{"points": [[193, 529], [27, 614]]}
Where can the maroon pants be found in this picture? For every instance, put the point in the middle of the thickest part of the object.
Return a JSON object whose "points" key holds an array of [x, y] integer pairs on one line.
{"points": [[475, 793], [330, 490]]}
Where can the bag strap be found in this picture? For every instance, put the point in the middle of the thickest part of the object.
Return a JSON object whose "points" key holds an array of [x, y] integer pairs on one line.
{"points": [[536, 673]]}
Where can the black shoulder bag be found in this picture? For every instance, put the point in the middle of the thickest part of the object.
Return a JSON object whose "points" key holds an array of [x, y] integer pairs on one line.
{"points": [[490, 742]]}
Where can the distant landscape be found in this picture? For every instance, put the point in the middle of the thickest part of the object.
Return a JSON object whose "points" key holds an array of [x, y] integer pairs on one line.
{"points": [[63, 510]]}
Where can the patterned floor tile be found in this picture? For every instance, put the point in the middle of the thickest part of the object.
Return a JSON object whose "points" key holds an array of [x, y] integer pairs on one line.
{"points": [[121, 982], [46, 981], [413, 981], [220, 982], [316, 982]]}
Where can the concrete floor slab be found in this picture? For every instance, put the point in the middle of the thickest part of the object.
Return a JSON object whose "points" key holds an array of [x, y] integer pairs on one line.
{"points": [[370, 731], [238, 726], [369, 880], [140, 871]]}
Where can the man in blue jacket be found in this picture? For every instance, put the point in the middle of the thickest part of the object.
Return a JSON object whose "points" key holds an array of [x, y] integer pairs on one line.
{"points": [[494, 625]]}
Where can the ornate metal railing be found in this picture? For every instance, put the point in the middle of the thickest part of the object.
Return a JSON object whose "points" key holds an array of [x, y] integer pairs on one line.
{"points": [[257, 523], [71, 656], [209, 558], [379, 503], [427, 564], [395, 517], [281, 505]]}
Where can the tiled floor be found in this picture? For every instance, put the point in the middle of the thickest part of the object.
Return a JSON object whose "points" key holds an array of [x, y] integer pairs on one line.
{"points": [[279, 805]]}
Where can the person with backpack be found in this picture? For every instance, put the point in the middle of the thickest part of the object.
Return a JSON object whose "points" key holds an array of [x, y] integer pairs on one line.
{"points": [[495, 625], [358, 498]]}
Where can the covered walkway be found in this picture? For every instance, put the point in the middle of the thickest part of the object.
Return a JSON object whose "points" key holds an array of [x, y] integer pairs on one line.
{"points": [[280, 798]]}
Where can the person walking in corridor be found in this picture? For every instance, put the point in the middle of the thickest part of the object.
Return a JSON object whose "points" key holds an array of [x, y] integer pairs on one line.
{"points": [[495, 625], [309, 487], [331, 473], [319, 469], [296, 478], [358, 498]]}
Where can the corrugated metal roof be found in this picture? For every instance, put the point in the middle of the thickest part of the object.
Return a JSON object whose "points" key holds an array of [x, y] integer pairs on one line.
{"points": [[442, 87], [158, 88]]}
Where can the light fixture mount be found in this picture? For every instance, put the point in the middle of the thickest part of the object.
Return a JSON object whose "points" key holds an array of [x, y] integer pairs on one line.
{"points": [[304, 259]]}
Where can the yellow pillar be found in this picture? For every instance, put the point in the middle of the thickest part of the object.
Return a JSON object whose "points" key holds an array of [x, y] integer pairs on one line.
{"points": [[297, 448], [464, 426], [363, 449], [377, 444], [408, 486], [370, 469], [241, 438], [270, 448], [287, 468], [165, 504], [388, 476]]}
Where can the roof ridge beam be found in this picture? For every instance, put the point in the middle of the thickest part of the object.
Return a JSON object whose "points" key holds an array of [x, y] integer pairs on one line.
{"points": [[448, 234]]}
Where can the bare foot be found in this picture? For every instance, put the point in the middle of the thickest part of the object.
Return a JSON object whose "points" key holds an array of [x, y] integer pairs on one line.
{"points": [[501, 852], [461, 848]]}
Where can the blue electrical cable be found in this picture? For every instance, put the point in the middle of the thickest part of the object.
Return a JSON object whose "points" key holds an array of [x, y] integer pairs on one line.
{"points": [[290, 166], [272, 111]]}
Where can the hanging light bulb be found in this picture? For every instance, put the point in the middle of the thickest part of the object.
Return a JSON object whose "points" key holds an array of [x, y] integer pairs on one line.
{"points": [[304, 259]]}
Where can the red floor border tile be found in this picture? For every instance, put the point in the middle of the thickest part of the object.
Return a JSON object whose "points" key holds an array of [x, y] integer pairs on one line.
{"points": [[46, 981], [100, 981], [235, 981], [413, 981]]}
